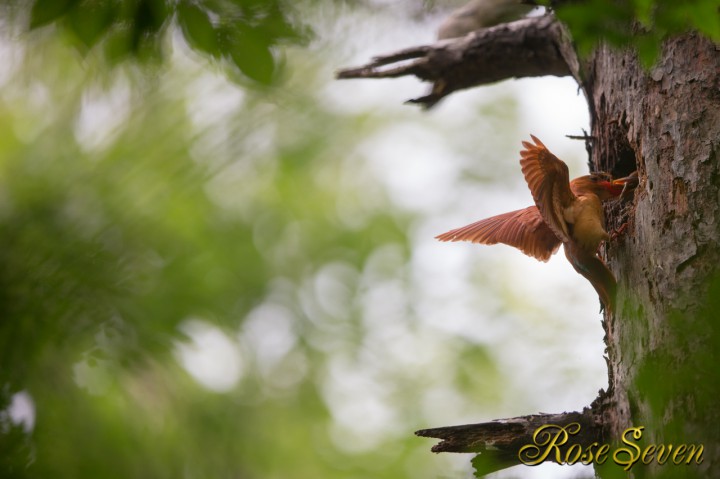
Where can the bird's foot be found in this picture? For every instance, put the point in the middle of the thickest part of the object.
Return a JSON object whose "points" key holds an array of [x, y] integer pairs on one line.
{"points": [[618, 231]]}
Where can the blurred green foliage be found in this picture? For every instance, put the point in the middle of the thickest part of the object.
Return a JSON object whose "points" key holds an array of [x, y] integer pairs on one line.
{"points": [[642, 24], [133, 205], [243, 35]]}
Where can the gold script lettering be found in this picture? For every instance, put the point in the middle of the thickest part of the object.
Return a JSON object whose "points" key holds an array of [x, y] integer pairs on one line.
{"points": [[663, 453], [680, 451], [647, 456], [631, 458], [546, 440], [601, 456], [691, 452]]}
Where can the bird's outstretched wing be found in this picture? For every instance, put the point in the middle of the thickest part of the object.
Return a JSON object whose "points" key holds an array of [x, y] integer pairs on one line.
{"points": [[549, 182], [523, 229]]}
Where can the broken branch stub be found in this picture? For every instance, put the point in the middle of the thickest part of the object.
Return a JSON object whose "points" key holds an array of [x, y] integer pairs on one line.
{"points": [[530, 47], [499, 442]]}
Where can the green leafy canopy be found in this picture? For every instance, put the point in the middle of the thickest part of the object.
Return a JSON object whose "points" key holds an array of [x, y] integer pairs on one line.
{"points": [[241, 34], [245, 34], [642, 24]]}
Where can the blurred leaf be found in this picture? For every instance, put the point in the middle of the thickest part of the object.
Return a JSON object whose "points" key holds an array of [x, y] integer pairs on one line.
{"points": [[276, 26], [148, 19], [197, 27], [245, 33], [644, 11], [17, 450], [703, 16], [251, 53], [47, 11], [648, 47], [92, 20], [118, 45], [642, 24], [489, 462], [150, 15], [597, 20]]}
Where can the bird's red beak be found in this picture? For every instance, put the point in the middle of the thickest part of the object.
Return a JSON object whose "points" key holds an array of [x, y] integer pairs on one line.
{"points": [[614, 187], [621, 185]]}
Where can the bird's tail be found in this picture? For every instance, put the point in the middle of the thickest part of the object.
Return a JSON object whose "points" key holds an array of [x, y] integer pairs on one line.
{"points": [[595, 271]]}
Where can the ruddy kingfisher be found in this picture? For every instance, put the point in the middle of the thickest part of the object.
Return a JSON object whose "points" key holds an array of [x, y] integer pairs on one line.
{"points": [[565, 212]]}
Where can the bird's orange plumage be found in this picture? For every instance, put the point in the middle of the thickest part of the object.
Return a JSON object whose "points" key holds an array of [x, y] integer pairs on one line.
{"points": [[567, 212], [524, 229]]}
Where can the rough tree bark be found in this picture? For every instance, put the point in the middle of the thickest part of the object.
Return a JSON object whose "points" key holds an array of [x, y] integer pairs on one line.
{"points": [[663, 340]]}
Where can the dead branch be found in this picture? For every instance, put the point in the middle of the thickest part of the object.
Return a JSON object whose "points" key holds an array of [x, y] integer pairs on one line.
{"points": [[530, 47], [498, 442]]}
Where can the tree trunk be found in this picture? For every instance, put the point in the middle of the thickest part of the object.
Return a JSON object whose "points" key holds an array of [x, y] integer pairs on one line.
{"points": [[663, 341]]}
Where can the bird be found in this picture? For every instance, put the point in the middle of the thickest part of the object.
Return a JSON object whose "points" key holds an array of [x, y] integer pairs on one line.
{"points": [[478, 14], [565, 212]]}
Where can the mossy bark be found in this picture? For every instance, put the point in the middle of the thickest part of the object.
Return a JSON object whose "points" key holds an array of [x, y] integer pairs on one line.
{"points": [[663, 341]]}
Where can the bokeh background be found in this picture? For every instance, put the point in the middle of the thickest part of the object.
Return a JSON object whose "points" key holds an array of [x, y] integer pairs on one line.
{"points": [[205, 276]]}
